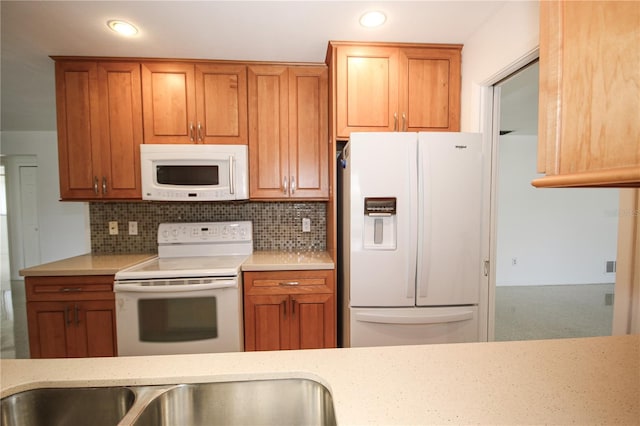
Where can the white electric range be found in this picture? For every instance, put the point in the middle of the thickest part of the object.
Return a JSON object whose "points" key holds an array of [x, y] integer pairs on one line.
{"points": [[188, 299]]}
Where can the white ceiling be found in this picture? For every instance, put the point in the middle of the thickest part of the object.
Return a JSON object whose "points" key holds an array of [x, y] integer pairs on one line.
{"points": [[292, 31]]}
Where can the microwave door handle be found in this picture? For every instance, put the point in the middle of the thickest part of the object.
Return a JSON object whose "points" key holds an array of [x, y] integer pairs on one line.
{"points": [[231, 175]]}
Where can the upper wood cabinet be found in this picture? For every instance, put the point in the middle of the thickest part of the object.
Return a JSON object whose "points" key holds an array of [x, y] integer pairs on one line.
{"points": [[99, 116], [394, 87], [589, 121], [194, 103], [288, 132]]}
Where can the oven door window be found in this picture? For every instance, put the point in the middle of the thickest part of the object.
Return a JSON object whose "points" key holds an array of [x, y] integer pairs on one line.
{"points": [[178, 319], [192, 175]]}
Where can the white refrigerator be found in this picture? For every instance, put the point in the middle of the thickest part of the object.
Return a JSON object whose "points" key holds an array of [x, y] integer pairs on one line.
{"points": [[411, 206]]}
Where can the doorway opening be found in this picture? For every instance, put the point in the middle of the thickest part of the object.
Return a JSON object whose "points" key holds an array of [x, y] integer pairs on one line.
{"points": [[555, 250]]}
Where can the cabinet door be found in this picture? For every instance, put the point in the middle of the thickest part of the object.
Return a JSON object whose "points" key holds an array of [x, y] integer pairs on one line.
{"points": [[168, 99], [308, 132], [429, 89], [78, 118], [120, 129], [221, 103], [266, 322], [268, 132], [312, 321], [366, 89], [49, 328], [589, 94], [95, 329]]}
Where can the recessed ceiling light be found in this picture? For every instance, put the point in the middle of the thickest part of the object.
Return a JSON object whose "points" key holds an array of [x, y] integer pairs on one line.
{"points": [[373, 19], [122, 27]]}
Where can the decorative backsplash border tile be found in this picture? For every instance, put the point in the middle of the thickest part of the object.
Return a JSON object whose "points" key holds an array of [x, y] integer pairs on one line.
{"points": [[276, 225]]}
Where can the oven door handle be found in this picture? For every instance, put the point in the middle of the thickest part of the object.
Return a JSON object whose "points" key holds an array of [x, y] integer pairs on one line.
{"points": [[138, 287]]}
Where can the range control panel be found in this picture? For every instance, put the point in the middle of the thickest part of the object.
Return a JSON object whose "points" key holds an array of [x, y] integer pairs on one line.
{"points": [[207, 232]]}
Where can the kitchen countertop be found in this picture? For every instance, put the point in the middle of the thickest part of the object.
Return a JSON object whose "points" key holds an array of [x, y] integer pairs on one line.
{"points": [[109, 264], [86, 264], [287, 261], [581, 381]]}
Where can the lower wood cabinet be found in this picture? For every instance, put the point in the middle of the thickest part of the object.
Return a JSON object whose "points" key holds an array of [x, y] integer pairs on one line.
{"points": [[289, 310], [71, 316]]}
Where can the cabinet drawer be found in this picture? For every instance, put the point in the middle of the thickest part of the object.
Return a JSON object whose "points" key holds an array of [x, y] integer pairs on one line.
{"points": [[99, 287], [288, 282]]}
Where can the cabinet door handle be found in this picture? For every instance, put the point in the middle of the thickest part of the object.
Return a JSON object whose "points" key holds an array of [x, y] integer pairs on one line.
{"points": [[76, 314], [289, 283], [191, 132], [293, 185], [67, 315], [284, 306], [200, 139], [395, 121], [404, 122], [95, 185], [285, 185], [104, 185], [293, 306]]}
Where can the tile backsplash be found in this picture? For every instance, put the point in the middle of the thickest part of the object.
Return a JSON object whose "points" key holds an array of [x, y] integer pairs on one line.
{"points": [[276, 225]]}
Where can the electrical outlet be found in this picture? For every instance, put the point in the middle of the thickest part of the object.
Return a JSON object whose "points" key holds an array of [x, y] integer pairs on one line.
{"points": [[133, 228], [306, 224], [514, 261], [113, 228]]}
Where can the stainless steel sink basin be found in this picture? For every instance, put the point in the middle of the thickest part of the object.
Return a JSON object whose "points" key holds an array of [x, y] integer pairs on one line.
{"points": [[260, 402], [256, 402], [67, 406]]}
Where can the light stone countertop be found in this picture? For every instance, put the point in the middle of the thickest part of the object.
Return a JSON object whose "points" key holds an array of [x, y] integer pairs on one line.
{"points": [[572, 381], [109, 264], [287, 261], [86, 264]]}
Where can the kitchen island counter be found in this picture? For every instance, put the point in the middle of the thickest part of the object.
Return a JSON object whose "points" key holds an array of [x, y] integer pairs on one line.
{"points": [[580, 381], [86, 264]]}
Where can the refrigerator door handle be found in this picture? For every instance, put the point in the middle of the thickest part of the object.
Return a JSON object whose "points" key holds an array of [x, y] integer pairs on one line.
{"points": [[386, 318], [413, 225]]}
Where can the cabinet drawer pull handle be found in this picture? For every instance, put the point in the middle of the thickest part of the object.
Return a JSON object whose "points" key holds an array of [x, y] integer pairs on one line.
{"points": [[70, 289], [95, 185], [104, 185], [289, 283]]}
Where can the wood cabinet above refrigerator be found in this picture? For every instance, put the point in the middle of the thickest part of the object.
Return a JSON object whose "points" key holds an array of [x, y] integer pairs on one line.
{"points": [[394, 87], [589, 120]]}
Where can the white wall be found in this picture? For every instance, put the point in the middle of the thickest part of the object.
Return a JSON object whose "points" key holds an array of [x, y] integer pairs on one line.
{"points": [[64, 226], [510, 35], [559, 236]]}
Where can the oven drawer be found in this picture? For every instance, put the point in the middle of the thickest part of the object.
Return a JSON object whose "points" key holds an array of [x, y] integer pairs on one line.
{"points": [[69, 288], [289, 282]]}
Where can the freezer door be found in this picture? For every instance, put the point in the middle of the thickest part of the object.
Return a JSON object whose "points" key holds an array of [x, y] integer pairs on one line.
{"points": [[450, 218], [381, 247], [413, 326]]}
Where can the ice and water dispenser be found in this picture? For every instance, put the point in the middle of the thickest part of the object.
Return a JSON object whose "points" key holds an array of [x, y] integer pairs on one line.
{"points": [[380, 223]]}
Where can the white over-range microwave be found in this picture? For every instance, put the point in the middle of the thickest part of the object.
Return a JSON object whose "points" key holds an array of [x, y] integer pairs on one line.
{"points": [[194, 172]]}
